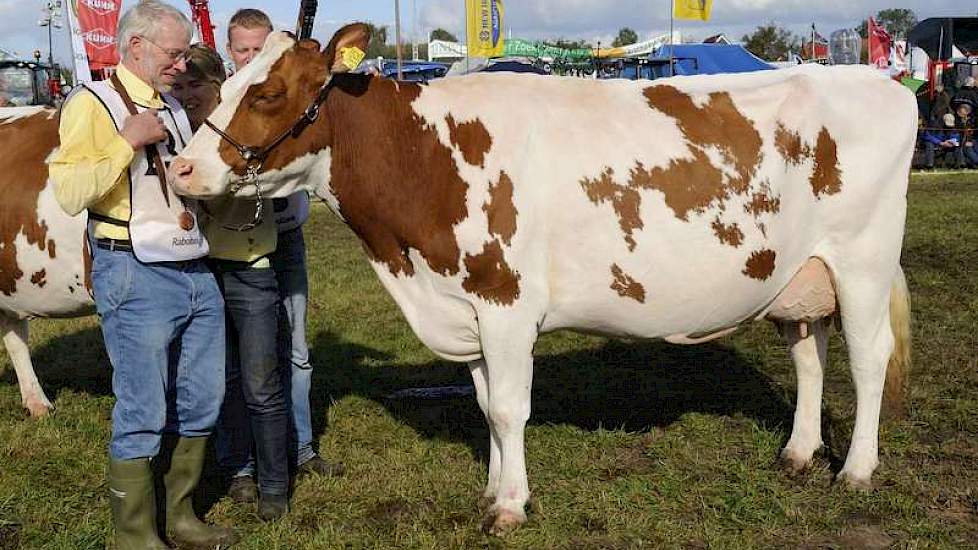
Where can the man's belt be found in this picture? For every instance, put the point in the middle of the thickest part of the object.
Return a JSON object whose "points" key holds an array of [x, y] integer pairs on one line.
{"points": [[114, 244]]}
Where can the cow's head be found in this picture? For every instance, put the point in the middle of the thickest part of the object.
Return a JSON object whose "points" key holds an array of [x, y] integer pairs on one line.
{"points": [[263, 102]]}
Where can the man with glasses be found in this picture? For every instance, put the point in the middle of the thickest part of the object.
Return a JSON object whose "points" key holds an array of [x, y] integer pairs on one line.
{"points": [[159, 304]]}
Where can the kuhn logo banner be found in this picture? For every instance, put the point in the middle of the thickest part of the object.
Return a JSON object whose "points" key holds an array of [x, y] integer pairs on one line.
{"points": [[97, 21]]}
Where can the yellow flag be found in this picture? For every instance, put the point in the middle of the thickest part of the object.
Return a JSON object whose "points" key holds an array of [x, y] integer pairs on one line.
{"points": [[485, 27], [692, 9]]}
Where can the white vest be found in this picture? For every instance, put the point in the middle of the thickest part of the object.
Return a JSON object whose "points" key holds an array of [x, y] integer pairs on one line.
{"points": [[292, 211], [154, 225]]}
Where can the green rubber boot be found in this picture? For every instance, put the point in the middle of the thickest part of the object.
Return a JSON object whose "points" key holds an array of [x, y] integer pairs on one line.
{"points": [[133, 505], [182, 525]]}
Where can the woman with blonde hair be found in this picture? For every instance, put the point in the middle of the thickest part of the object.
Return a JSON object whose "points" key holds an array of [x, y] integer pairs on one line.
{"points": [[199, 88]]}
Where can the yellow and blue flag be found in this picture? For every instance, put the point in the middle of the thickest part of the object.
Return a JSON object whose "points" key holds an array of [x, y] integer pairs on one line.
{"points": [[692, 9], [485, 27]]}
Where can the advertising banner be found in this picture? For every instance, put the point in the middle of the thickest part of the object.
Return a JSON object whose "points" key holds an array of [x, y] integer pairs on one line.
{"points": [[484, 27], [97, 22]]}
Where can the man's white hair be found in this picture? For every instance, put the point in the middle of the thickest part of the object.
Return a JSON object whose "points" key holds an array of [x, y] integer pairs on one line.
{"points": [[144, 18]]}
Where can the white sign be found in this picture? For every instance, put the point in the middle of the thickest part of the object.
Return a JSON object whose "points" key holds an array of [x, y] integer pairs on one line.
{"points": [[441, 49]]}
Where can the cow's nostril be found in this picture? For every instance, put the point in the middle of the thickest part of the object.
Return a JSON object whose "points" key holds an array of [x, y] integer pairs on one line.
{"points": [[181, 168]]}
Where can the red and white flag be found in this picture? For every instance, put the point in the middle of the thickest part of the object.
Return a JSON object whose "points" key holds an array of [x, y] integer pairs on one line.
{"points": [[880, 43], [97, 22]]}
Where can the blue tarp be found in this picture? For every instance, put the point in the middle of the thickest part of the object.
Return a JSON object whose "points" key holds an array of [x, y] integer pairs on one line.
{"points": [[706, 59], [422, 71], [513, 67]]}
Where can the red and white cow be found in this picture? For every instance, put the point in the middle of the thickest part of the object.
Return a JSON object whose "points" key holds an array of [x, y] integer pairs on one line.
{"points": [[44, 260], [496, 207]]}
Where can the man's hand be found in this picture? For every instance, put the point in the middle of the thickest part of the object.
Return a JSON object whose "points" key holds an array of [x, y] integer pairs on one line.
{"points": [[143, 129]]}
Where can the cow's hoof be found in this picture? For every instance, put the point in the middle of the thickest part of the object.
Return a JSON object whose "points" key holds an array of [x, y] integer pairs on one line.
{"points": [[862, 485], [500, 521], [486, 502], [794, 463], [38, 407]]}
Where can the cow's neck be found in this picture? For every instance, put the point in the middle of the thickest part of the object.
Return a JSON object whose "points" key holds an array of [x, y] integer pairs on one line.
{"points": [[396, 184]]}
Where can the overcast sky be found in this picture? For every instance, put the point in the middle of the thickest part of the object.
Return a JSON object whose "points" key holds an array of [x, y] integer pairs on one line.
{"points": [[590, 20]]}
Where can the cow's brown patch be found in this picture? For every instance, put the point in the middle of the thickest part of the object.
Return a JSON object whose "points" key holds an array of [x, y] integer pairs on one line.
{"points": [[51, 253], [826, 176], [625, 201], [38, 278], [471, 138], [728, 234], [500, 209], [397, 185], [23, 175], [718, 123], [490, 277], [762, 203], [626, 286], [688, 185], [760, 265], [790, 145]]}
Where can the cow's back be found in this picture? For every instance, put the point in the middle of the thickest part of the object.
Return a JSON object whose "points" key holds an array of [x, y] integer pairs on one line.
{"points": [[677, 206], [43, 256]]}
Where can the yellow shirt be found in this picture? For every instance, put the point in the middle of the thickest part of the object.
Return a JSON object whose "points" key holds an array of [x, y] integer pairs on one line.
{"points": [[90, 169], [242, 246]]}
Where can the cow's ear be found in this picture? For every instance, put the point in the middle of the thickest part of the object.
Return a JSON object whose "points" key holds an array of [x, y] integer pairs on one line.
{"points": [[348, 47], [309, 44]]}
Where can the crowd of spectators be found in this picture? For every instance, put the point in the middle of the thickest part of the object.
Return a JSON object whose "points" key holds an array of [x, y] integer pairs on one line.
{"points": [[948, 125]]}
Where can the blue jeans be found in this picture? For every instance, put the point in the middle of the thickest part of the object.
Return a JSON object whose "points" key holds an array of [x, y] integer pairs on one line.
{"points": [[970, 155], [289, 262], [254, 417], [931, 150], [159, 323]]}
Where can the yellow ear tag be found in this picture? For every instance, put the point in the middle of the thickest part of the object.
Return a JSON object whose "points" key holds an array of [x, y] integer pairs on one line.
{"points": [[352, 56]]}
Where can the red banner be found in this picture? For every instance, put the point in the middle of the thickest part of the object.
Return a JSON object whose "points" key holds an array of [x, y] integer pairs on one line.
{"points": [[97, 22], [879, 45]]}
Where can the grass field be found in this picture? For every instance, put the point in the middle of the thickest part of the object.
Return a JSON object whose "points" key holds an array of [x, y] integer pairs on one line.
{"points": [[631, 444]]}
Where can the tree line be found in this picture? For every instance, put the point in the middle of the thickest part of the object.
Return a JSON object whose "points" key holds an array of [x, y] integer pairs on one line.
{"points": [[769, 41], [772, 42]]}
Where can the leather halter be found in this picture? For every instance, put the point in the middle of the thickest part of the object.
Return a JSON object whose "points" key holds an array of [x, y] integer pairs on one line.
{"points": [[255, 157]]}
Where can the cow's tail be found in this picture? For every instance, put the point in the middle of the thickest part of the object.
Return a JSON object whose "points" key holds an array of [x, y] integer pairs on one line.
{"points": [[898, 369]]}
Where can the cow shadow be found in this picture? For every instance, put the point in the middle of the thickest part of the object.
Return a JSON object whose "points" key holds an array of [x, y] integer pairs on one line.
{"points": [[73, 361], [632, 386]]}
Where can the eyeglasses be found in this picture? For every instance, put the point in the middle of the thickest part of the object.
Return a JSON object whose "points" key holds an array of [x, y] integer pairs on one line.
{"points": [[175, 55]]}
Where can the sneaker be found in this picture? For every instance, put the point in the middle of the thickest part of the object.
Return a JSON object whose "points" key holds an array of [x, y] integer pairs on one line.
{"points": [[317, 466], [272, 506], [243, 489]]}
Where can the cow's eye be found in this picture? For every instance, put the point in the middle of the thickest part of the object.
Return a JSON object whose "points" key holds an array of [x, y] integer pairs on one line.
{"points": [[267, 99]]}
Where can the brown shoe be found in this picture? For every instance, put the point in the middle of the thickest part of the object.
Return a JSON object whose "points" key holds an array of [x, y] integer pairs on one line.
{"points": [[243, 489], [317, 466]]}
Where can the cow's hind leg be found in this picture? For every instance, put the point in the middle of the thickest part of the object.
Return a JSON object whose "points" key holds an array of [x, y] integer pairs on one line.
{"points": [[480, 378], [864, 304], [15, 339], [508, 351], [809, 350]]}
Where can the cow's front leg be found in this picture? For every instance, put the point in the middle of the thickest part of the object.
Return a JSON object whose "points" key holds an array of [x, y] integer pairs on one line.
{"points": [[15, 339], [508, 353], [480, 379]]}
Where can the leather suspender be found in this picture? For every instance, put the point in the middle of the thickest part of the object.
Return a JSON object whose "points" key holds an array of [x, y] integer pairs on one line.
{"points": [[151, 153]]}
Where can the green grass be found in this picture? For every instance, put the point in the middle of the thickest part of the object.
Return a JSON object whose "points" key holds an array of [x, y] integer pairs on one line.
{"points": [[631, 444]]}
